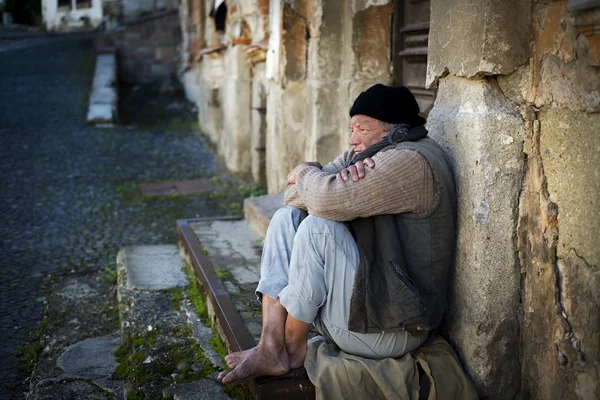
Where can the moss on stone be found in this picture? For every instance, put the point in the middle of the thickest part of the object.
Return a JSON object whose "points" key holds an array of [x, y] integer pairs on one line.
{"points": [[29, 352], [224, 274], [153, 361], [194, 293], [177, 298]]}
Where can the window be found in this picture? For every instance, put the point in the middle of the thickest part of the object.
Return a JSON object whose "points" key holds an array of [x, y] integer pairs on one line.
{"points": [[83, 4], [64, 4]]}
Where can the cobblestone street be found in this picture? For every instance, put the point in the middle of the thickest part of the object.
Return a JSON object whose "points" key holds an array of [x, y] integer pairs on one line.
{"points": [[68, 197]]}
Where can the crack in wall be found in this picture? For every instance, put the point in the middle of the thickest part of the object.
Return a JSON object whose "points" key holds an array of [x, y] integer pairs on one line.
{"points": [[570, 336]]}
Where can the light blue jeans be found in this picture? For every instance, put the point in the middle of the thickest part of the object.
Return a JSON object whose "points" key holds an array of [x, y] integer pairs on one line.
{"points": [[309, 263]]}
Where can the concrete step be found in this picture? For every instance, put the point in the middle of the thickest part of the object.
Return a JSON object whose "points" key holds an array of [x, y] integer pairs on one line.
{"points": [[165, 348], [259, 210], [225, 254]]}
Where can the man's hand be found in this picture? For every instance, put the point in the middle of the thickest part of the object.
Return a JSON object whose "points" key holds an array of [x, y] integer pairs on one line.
{"points": [[291, 178], [357, 171]]}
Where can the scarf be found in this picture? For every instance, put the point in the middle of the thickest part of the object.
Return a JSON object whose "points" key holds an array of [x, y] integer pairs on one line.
{"points": [[399, 133]]}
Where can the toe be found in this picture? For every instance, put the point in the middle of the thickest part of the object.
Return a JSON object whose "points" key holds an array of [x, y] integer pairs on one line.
{"points": [[222, 375], [229, 377]]}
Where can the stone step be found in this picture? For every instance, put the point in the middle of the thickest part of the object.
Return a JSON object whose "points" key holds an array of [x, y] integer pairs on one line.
{"points": [[225, 254], [161, 335], [259, 210]]}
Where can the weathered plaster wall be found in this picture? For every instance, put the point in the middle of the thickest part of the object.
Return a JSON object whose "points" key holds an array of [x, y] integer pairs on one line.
{"points": [[219, 73], [527, 257], [235, 139], [559, 230], [472, 38], [326, 52], [483, 131]]}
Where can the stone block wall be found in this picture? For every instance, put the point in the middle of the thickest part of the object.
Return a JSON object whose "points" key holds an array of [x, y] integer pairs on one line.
{"points": [[148, 48], [518, 111], [327, 53], [223, 73], [305, 61]]}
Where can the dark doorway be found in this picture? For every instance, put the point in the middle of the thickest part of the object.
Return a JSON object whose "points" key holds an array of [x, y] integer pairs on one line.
{"points": [[409, 49]]}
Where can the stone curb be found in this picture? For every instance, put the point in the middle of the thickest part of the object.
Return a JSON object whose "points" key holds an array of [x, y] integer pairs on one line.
{"points": [[259, 210], [103, 98], [145, 276]]}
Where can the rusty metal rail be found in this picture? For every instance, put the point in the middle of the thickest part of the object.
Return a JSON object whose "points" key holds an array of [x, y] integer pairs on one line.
{"points": [[292, 386]]}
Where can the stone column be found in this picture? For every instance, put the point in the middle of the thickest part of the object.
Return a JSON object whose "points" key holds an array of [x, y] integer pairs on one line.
{"points": [[259, 124], [286, 101], [236, 138], [483, 131]]}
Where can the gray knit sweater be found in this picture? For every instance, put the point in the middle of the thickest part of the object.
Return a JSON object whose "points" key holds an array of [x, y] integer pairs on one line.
{"points": [[400, 182]]}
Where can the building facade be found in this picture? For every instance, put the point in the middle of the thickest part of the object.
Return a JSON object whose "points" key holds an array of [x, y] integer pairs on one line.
{"points": [[66, 15], [511, 90]]}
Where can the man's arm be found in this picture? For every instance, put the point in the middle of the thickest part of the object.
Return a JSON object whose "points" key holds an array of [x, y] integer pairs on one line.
{"points": [[291, 198], [401, 181]]}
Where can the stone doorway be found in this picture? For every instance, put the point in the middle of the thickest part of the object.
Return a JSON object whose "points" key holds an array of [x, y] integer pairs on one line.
{"points": [[410, 32]]}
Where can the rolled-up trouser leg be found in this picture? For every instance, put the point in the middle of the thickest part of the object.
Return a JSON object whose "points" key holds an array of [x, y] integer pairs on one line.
{"points": [[277, 251], [323, 264]]}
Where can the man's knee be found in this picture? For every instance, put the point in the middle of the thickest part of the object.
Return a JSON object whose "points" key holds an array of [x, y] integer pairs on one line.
{"points": [[287, 215], [314, 225]]}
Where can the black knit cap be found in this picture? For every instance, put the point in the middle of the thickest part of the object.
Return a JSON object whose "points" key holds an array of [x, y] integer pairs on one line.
{"points": [[392, 104]]}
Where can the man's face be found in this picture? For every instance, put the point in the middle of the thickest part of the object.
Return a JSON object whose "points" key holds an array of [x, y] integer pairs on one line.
{"points": [[365, 132]]}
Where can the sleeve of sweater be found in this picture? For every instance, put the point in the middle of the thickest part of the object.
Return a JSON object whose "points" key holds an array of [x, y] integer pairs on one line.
{"points": [[401, 181], [290, 196]]}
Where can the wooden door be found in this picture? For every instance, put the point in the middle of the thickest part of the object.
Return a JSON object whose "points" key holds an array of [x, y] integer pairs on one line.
{"points": [[409, 49]]}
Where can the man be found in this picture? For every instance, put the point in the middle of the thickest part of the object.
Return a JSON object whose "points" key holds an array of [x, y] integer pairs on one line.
{"points": [[376, 285]]}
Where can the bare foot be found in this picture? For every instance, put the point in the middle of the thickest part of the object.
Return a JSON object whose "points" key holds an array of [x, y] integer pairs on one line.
{"points": [[257, 361], [297, 358]]}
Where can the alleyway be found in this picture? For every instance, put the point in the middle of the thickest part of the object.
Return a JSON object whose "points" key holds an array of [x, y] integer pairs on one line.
{"points": [[68, 197]]}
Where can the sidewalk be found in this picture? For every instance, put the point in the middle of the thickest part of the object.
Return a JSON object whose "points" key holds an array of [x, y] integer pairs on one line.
{"points": [[71, 201]]}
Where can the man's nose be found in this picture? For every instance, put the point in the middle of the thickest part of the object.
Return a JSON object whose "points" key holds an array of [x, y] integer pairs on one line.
{"points": [[354, 139]]}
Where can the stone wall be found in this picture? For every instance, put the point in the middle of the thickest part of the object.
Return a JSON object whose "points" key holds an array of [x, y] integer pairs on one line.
{"points": [[559, 223], [137, 8], [223, 73], [148, 48], [520, 119], [304, 65], [328, 52]]}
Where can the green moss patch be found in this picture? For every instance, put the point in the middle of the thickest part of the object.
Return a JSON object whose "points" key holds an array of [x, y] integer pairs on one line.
{"points": [[151, 362], [29, 352], [224, 274], [238, 391], [194, 294]]}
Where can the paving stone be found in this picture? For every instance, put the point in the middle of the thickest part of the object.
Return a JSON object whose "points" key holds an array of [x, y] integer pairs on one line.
{"points": [[232, 245], [202, 389], [156, 267], [235, 248], [92, 359]]}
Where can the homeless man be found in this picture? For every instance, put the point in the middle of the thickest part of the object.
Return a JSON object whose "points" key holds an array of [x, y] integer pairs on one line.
{"points": [[362, 248]]}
